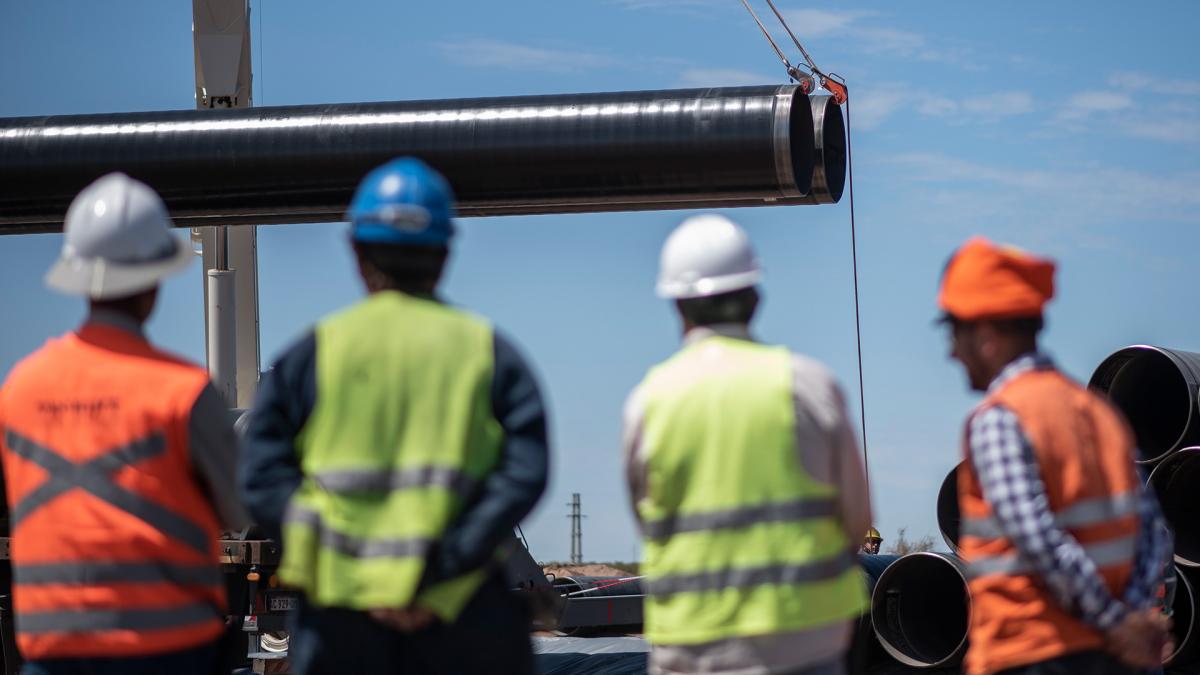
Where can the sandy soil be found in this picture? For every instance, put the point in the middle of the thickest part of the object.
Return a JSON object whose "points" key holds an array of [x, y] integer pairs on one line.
{"points": [[591, 570]]}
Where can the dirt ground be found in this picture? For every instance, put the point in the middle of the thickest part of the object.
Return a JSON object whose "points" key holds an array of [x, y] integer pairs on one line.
{"points": [[589, 570]]}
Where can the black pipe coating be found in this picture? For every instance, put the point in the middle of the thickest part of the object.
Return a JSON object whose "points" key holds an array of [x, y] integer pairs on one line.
{"points": [[1156, 389], [920, 607], [674, 149], [949, 518], [1175, 481]]}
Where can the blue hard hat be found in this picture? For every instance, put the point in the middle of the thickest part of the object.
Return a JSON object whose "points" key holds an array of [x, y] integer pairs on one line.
{"points": [[402, 202]]}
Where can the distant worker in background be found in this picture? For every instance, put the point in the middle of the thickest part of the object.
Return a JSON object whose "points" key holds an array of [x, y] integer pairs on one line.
{"points": [[119, 463], [397, 445], [745, 478], [872, 542], [1065, 546]]}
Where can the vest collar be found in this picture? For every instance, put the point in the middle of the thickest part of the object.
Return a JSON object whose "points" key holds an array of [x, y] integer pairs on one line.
{"points": [[1019, 366], [737, 331]]}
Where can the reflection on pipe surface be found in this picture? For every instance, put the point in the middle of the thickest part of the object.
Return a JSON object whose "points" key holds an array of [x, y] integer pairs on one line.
{"points": [[919, 607], [688, 148]]}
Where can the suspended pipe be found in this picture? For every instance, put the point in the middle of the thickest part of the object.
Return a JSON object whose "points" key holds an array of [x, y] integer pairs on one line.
{"points": [[1175, 480], [919, 609], [1156, 389], [673, 149], [948, 516]]}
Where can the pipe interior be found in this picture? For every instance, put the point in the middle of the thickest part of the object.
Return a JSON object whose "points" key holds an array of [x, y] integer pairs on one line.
{"points": [[948, 516], [1154, 396], [801, 141], [920, 608], [833, 149], [1175, 481]]}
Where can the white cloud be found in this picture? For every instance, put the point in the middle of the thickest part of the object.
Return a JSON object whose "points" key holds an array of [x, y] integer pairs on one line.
{"points": [[668, 4], [817, 23], [872, 106], [499, 54], [868, 33], [721, 77], [1086, 192], [1137, 81], [999, 104], [1084, 104], [1177, 130]]}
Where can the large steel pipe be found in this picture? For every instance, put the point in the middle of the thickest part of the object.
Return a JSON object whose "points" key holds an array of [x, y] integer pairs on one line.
{"points": [[920, 607], [865, 649], [687, 148], [948, 517], [1175, 480], [1156, 389], [1183, 622]]}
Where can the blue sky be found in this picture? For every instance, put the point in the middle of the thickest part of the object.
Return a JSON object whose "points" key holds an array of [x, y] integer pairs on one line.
{"points": [[1072, 129]]}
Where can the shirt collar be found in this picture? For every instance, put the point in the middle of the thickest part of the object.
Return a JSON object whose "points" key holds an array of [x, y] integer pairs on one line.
{"points": [[1022, 364], [737, 331], [106, 317]]}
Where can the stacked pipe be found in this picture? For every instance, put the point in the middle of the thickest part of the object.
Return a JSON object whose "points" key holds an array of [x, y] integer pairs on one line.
{"points": [[568, 153], [1156, 388]]}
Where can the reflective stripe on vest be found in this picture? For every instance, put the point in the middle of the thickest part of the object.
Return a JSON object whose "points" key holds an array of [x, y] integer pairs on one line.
{"points": [[94, 620], [1102, 554], [748, 577], [93, 477], [1085, 513], [357, 547], [91, 573], [350, 481], [798, 509]]}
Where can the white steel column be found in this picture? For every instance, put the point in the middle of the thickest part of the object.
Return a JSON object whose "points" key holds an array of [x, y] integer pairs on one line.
{"points": [[221, 37]]}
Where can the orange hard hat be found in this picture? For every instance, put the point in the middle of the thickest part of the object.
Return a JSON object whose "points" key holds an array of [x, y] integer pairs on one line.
{"points": [[989, 281]]}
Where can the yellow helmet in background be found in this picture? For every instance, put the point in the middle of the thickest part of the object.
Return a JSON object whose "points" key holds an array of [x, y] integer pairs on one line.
{"points": [[873, 534]]}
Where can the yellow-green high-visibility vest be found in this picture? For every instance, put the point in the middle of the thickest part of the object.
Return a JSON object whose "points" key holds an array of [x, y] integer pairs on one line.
{"points": [[739, 540], [401, 435]]}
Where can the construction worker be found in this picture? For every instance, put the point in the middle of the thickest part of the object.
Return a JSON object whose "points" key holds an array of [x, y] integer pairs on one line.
{"points": [[872, 542], [119, 462], [397, 445], [1065, 546], [745, 479]]}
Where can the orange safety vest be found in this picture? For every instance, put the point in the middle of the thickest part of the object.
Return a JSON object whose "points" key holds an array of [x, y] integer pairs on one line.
{"points": [[114, 542], [1084, 451]]}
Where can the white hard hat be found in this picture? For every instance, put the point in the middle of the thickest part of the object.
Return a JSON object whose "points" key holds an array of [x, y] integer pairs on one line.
{"points": [[117, 241], [706, 255]]}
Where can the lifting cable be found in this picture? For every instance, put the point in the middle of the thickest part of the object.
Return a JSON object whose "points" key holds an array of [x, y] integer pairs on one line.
{"points": [[836, 85]]}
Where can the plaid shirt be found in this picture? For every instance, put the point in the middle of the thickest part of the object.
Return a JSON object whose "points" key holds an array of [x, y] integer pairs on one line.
{"points": [[1009, 476]]}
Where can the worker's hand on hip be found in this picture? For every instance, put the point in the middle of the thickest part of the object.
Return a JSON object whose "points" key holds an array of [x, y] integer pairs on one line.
{"points": [[1141, 639], [405, 620]]}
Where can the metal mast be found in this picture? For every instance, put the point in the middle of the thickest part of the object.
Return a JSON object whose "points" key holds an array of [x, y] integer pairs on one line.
{"points": [[221, 37]]}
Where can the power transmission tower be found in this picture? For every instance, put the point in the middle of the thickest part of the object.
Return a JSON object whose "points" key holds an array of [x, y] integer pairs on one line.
{"points": [[576, 517]]}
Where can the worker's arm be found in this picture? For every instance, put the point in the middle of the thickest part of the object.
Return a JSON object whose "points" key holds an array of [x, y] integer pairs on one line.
{"points": [[1154, 550], [270, 469], [214, 452], [1011, 481], [827, 446], [631, 450], [512, 489]]}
